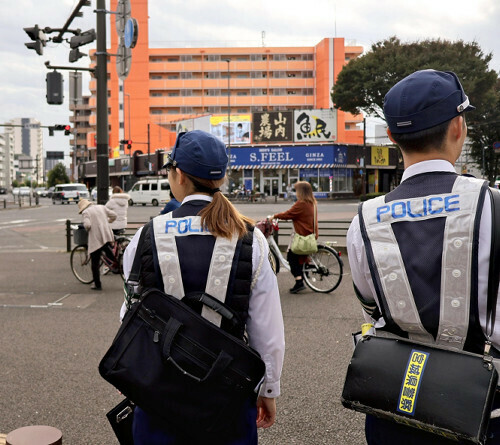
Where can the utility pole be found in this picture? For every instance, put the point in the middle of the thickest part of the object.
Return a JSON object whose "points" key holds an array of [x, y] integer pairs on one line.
{"points": [[101, 74]]}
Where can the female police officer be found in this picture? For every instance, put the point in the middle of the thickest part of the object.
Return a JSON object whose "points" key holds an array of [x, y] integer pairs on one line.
{"points": [[196, 168]]}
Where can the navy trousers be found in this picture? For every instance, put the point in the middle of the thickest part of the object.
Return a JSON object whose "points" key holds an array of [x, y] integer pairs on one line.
{"points": [[149, 430]]}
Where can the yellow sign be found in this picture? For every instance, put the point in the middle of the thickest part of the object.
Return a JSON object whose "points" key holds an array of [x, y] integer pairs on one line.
{"points": [[218, 119], [116, 152], [380, 155], [411, 382]]}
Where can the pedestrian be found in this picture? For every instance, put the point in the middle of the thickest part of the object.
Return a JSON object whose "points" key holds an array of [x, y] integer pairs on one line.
{"points": [[96, 220], [118, 202], [425, 113], [196, 169], [170, 205], [304, 214]]}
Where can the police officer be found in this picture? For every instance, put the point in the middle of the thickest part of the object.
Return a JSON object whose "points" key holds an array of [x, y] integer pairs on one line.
{"points": [[429, 225], [196, 169]]}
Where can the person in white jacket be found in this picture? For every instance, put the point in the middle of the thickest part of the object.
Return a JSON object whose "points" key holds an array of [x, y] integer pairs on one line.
{"points": [[118, 203]]}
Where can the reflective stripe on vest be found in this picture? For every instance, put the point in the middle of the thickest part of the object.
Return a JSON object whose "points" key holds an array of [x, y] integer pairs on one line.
{"points": [[166, 229], [459, 207]]}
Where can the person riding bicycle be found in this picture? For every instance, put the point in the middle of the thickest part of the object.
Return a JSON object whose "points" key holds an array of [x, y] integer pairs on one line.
{"points": [[96, 220], [118, 203], [304, 216]]}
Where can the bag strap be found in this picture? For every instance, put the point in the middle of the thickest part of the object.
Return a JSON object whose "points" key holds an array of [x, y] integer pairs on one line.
{"points": [[494, 270], [135, 272]]}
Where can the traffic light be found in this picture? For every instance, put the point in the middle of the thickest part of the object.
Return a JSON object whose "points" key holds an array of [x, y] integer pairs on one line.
{"points": [[59, 127], [126, 142], [81, 39], [54, 82], [38, 37]]}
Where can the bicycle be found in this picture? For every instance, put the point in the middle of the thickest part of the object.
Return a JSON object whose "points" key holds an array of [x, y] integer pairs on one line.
{"points": [[80, 259], [322, 271]]}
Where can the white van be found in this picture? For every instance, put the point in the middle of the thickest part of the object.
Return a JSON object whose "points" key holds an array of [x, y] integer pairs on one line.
{"points": [[150, 191]]}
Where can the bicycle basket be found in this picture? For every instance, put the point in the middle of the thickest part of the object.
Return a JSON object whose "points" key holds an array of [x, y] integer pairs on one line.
{"points": [[266, 227], [80, 236]]}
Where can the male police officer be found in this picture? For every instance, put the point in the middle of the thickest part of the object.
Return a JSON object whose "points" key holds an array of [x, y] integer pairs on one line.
{"points": [[425, 246]]}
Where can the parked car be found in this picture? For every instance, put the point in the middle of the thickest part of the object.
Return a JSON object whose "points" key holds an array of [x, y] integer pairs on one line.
{"points": [[24, 191], [3, 190], [69, 193], [41, 191], [93, 193], [150, 191], [50, 191]]}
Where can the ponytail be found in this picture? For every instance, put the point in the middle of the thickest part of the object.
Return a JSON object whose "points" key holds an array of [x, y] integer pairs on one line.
{"points": [[220, 217]]}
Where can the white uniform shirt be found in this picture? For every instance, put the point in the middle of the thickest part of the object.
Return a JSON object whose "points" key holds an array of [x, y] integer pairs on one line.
{"points": [[265, 320], [359, 264]]}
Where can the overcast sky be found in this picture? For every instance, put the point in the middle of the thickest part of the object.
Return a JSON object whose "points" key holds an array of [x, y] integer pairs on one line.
{"points": [[197, 23]]}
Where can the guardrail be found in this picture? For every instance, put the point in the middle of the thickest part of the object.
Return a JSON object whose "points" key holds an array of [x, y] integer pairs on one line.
{"points": [[331, 230]]}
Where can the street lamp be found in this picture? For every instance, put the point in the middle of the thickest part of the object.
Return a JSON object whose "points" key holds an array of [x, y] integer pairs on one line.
{"points": [[228, 121]]}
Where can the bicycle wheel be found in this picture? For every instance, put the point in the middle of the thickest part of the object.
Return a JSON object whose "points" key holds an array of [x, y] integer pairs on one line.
{"points": [[323, 272], [81, 264]]}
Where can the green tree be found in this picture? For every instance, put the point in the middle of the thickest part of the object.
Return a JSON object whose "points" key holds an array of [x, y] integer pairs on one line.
{"points": [[57, 175], [15, 183], [364, 81]]}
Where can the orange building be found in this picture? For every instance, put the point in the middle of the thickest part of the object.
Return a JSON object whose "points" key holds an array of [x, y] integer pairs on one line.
{"points": [[166, 85]]}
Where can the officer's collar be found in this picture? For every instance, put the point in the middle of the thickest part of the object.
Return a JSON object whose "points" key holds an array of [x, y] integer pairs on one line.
{"points": [[432, 165], [197, 198]]}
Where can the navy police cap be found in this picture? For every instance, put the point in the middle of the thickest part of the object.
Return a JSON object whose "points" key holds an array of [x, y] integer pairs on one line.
{"points": [[423, 100], [200, 154]]}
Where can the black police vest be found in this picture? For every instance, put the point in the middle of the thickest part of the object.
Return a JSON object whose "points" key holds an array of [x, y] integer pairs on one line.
{"points": [[195, 253], [420, 243]]}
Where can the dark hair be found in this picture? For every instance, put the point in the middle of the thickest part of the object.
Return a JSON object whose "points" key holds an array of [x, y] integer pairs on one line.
{"points": [[423, 140], [117, 189]]}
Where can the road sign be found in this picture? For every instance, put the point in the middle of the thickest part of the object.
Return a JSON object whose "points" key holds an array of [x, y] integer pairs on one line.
{"points": [[131, 32]]}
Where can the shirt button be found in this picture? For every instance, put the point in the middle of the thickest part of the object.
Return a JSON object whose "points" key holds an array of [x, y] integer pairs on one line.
{"points": [[456, 273], [171, 280], [269, 391], [217, 282], [457, 243], [393, 276], [455, 303], [222, 258]]}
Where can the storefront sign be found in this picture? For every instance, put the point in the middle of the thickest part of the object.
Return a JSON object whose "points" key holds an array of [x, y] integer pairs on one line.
{"points": [[380, 155], [297, 156], [273, 126], [315, 125]]}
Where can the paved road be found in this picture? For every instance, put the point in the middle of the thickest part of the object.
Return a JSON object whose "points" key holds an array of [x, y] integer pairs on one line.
{"points": [[54, 330]]}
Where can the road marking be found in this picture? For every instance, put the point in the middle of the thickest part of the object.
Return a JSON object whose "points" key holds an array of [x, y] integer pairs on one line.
{"points": [[17, 221]]}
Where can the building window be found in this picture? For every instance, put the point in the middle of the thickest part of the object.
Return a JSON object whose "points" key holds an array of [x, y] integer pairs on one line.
{"points": [[213, 57], [186, 58], [121, 88], [156, 111], [186, 93], [156, 94], [155, 77], [186, 75], [172, 76], [173, 94]]}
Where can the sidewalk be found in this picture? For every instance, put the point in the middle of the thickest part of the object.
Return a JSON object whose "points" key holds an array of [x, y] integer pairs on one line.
{"points": [[55, 330]]}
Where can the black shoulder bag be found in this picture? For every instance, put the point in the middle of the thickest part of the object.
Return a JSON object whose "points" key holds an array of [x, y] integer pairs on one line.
{"points": [[446, 392], [178, 366]]}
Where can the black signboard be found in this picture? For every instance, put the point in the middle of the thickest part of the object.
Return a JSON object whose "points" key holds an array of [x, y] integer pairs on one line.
{"points": [[272, 126]]}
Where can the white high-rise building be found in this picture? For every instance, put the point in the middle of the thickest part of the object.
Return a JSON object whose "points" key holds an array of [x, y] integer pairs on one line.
{"points": [[28, 145], [7, 174]]}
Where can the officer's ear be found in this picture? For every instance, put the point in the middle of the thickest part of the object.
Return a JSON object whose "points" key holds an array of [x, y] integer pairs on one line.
{"points": [[389, 134], [181, 177]]}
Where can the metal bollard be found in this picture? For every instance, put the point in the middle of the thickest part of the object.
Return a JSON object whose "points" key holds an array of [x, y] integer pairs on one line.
{"points": [[68, 235]]}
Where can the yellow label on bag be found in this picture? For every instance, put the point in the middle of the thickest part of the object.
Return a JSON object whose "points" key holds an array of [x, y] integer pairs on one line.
{"points": [[411, 382]]}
